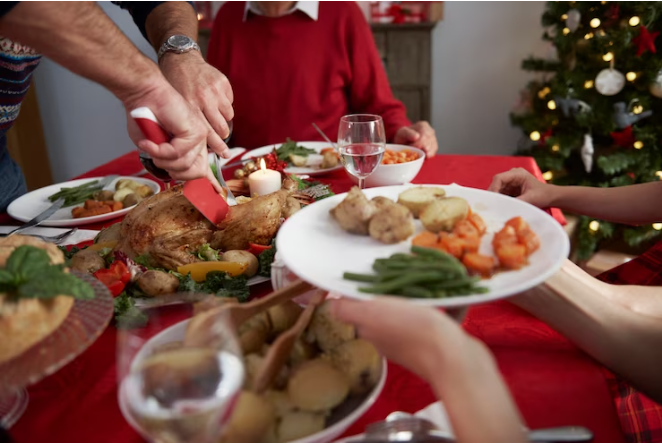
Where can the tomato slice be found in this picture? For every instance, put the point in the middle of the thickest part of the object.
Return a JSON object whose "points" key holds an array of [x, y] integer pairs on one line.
{"points": [[258, 249]]}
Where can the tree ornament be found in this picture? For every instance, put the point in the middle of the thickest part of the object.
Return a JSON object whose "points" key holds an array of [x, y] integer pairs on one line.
{"points": [[587, 152], [623, 118], [573, 20], [614, 11], [571, 107], [623, 138], [609, 81], [544, 136], [645, 41], [656, 86]]}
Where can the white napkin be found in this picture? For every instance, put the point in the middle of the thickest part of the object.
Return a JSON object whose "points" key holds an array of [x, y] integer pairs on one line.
{"points": [[77, 237]]}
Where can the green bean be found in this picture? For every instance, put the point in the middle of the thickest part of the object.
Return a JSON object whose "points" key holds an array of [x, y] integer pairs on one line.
{"points": [[432, 253], [456, 283], [360, 277], [404, 281], [416, 292]]}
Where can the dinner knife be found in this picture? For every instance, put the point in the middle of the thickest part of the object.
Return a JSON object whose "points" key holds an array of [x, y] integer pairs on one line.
{"points": [[219, 175], [40, 217]]}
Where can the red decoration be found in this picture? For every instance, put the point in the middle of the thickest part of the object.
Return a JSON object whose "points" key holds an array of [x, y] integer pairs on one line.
{"points": [[645, 41], [623, 138], [544, 136], [614, 11]]}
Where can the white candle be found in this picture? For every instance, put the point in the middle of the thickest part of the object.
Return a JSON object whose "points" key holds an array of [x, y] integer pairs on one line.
{"points": [[264, 181]]}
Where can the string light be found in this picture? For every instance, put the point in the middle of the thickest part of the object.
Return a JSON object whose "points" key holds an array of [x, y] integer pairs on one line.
{"points": [[638, 145], [637, 109], [556, 147], [634, 21], [551, 104], [631, 76], [659, 174], [564, 17], [601, 33], [547, 175], [199, 16], [604, 3], [594, 23], [588, 36], [608, 57], [566, 31], [594, 226], [588, 84], [535, 136], [657, 226], [555, 122], [543, 92]]}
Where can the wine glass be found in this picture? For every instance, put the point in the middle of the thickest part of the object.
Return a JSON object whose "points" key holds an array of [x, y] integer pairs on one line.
{"points": [[179, 384], [361, 142]]}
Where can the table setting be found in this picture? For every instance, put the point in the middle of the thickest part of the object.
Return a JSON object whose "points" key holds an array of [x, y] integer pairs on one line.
{"points": [[298, 223]]}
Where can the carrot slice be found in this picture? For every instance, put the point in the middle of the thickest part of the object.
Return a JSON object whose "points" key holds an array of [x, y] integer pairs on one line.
{"points": [[464, 228], [452, 244], [478, 263], [518, 224], [471, 244], [529, 239], [426, 239], [477, 222], [511, 256], [506, 236]]}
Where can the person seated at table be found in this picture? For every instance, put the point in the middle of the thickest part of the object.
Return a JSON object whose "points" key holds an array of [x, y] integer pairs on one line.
{"points": [[618, 325], [294, 63], [459, 368]]}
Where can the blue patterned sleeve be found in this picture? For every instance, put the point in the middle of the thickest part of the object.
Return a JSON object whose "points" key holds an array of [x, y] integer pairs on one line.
{"points": [[140, 10]]}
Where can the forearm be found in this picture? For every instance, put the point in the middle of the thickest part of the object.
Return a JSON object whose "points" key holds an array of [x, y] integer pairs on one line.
{"points": [[476, 398], [171, 18], [80, 37], [604, 323], [635, 204]]}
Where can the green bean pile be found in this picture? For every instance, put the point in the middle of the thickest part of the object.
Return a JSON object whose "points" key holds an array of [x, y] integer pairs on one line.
{"points": [[77, 195], [426, 274]]}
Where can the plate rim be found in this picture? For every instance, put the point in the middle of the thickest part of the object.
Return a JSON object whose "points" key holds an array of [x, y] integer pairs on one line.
{"points": [[63, 223], [454, 302], [308, 171]]}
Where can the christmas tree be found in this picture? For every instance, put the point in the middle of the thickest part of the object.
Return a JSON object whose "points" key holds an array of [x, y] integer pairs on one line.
{"points": [[593, 115]]}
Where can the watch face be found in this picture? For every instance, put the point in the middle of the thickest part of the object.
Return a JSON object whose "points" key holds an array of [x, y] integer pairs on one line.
{"points": [[180, 42]]}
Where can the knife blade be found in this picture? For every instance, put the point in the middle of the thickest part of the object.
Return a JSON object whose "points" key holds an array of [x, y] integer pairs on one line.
{"points": [[219, 175], [39, 218]]}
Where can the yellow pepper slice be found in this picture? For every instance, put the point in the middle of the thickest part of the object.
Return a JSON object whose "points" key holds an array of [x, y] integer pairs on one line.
{"points": [[199, 270], [101, 245]]}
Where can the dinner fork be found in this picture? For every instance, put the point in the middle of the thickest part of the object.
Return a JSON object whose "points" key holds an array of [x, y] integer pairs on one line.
{"points": [[56, 239]]}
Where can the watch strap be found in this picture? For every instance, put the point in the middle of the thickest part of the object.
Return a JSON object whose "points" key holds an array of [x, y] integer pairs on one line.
{"points": [[167, 47]]}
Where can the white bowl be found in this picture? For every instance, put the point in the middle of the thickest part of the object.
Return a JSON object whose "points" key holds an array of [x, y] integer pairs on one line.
{"points": [[396, 174], [341, 417]]}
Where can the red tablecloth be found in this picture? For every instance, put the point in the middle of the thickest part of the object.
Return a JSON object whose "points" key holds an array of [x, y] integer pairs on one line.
{"points": [[552, 381]]}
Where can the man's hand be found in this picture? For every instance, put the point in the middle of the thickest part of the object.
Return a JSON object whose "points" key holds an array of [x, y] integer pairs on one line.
{"points": [[419, 135], [207, 90], [185, 156], [523, 185]]}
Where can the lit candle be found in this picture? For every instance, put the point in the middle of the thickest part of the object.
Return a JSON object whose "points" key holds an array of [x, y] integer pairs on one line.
{"points": [[264, 181]]}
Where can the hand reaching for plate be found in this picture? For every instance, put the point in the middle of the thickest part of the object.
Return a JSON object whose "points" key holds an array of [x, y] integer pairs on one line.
{"points": [[523, 185]]}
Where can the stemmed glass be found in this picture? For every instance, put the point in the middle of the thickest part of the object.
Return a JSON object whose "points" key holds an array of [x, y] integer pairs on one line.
{"points": [[361, 142], [179, 384]]}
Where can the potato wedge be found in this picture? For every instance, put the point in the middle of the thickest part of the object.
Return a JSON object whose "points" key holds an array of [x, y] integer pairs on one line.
{"points": [[442, 214], [416, 199]]}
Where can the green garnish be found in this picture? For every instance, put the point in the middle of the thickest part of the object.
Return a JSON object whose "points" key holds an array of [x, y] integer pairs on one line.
{"points": [[127, 315], [29, 274], [218, 283], [290, 147], [265, 259], [207, 253]]}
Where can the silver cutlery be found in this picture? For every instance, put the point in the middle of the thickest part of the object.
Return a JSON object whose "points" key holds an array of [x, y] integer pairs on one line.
{"points": [[325, 136], [39, 218], [56, 239], [219, 175]]}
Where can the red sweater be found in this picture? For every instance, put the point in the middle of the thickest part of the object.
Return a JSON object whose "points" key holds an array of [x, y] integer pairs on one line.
{"points": [[291, 71]]}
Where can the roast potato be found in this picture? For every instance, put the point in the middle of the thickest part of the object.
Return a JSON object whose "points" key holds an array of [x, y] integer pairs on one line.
{"points": [[291, 206], [381, 202], [243, 257], [317, 386], [87, 261], [329, 160], [443, 214], [416, 199], [353, 214], [254, 333], [109, 234], [103, 195], [156, 283], [326, 331], [297, 424], [281, 402], [393, 224], [252, 419], [360, 362], [301, 351], [283, 316], [130, 200]]}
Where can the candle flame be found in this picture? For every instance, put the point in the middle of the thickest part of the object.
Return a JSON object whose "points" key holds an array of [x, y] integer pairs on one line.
{"points": [[263, 166]]}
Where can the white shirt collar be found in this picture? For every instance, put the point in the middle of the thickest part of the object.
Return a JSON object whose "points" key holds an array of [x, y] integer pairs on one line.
{"points": [[311, 9]]}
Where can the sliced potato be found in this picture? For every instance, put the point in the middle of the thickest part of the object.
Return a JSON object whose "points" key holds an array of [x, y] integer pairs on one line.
{"points": [[443, 214], [143, 191], [121, 194], [298, 161], [126, 183], [416, 199]]}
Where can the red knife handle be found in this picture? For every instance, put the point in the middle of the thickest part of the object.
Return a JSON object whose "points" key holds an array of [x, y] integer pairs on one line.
{"points": [[150, 127]]}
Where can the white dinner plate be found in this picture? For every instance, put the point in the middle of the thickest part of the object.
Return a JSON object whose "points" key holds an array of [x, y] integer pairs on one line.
{"points": [[317, 146], [26, 207], [315, 248]]}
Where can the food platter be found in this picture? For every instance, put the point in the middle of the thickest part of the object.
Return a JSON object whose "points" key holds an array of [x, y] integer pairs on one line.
{"points": [[30, 205], [325, 251], [317, 146]]}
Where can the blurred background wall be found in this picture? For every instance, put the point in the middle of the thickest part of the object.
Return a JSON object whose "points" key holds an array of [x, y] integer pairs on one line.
{"points": [[476, 54]]}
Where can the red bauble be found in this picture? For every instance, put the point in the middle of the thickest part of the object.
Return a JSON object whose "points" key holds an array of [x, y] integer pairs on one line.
{"points": [[623, 138], [614, 11], [544, 136], [645, 41]]}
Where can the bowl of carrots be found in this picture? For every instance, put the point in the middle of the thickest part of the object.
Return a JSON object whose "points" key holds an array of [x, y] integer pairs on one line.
{"points": [[399, 166]]}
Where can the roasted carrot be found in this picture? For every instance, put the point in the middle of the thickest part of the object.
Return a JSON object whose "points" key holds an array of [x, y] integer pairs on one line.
{"points": [[90, 204], [529, 239], [76, 212], [478, 263], [116, 206], [471, 244], [518, 224], [452, 244], [507, 236], [464, 228], [511, 256], [426, 239], [477, 222]]}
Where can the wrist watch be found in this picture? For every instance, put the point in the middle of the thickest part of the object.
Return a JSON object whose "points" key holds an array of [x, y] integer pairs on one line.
{"points": [[178, 44]]}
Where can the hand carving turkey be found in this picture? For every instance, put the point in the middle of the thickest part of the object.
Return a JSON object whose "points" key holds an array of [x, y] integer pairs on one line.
{"points": [[169, 229]]}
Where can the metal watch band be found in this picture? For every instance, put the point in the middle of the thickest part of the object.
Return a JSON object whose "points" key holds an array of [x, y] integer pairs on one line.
{"points": [[166, 47]]}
